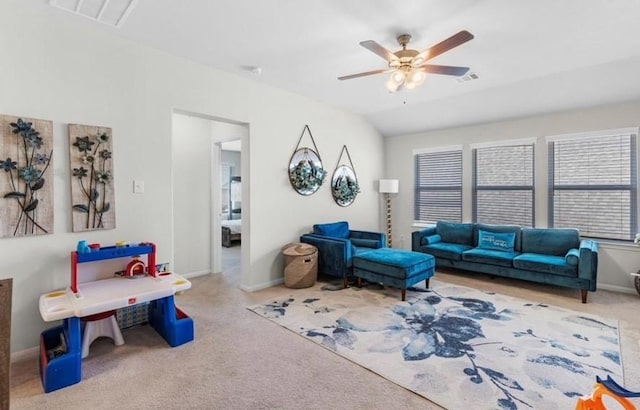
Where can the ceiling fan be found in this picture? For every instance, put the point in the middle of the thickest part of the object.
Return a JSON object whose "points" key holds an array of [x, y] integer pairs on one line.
{"points": [[408, 66]]}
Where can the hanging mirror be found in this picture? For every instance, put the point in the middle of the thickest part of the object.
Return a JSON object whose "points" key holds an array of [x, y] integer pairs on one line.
{"points": [[306, 174], [344, 183]]}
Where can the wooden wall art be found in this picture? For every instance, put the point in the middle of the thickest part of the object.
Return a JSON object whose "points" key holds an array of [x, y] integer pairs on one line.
{"points": [[92, 196], [26, 185]]}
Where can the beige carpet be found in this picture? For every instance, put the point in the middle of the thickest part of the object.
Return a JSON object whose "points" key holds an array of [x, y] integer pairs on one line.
{"points": [[241, 361]]}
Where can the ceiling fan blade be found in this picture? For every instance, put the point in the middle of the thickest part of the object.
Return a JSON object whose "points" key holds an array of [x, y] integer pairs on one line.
{"points": [[379, 50], [446, 45], [349, 77], [444, 69]]}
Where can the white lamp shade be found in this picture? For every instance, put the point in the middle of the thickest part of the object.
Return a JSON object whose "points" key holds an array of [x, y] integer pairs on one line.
{"points": [[389, 186]]}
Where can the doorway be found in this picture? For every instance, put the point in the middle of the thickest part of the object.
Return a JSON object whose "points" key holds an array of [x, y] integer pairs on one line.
{"points": [[231, 208], [197, 158]]}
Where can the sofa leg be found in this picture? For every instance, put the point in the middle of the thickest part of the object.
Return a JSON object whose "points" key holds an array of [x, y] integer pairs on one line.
{"points": [[359, 282], [584, 295], [426, 283], [346, 282], [404, 294]]}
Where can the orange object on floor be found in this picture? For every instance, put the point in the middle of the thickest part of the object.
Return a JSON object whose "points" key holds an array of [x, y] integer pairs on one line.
{"points": [[594, 402]]}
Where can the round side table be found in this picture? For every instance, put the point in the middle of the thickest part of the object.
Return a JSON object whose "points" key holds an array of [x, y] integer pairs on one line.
{"points": [[636, 280], [300, 265]]}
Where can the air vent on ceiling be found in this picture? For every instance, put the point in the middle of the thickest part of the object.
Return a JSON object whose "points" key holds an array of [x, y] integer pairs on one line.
{"points": [[468, 77], [110, 12]]}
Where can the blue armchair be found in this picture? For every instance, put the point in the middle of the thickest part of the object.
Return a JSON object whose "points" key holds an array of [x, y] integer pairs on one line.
{"points": [[337, 244]]}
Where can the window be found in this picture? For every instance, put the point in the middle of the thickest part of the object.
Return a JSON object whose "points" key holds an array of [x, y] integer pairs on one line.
{"points": [[438, 189], [593, 184], [503, 184]]}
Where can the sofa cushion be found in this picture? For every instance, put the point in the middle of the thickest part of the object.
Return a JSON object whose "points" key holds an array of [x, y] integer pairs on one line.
{"points": [[551, 241], [365, 243], [431, 239], [453, 232], [496, 241], [572, 257], [444, 250], [490, 257], [555, 265], [517, 246], [333, 230]]}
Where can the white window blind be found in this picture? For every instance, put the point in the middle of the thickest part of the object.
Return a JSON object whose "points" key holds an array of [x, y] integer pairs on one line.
{"points": [[593, 185], [503, 184], [438, 186]]}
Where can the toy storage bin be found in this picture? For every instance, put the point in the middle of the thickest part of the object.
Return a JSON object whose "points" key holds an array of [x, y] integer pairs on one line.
{"points": [[65, 369], [169, 321]]}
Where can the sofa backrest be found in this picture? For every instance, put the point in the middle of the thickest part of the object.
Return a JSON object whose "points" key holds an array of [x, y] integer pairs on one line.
{"points": [[333, 230], [550, 241], [455, 232], [500, 229]]}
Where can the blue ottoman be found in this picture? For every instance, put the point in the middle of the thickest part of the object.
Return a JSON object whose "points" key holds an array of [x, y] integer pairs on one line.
{"points": [[394, 267]]}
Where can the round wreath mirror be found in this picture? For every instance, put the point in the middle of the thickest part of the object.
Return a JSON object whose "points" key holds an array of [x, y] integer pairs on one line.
{"points": [[344, 185], [305, 171]]}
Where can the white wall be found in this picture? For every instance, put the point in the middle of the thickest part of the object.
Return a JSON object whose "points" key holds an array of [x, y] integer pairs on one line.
{"points": [[68, 70], [615, 260], [191, 157]]}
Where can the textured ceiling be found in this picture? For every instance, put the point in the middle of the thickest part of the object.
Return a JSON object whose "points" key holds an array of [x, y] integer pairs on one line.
{"points": [[532, 57]]}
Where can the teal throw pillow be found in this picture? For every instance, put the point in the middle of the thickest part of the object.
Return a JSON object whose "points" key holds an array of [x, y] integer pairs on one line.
{"points": [[430, 240], [333, 230], [573, 257], [496, 241]]}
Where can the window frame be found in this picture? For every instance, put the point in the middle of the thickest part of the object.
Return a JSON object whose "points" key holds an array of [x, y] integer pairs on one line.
{"points": [[474, 178], [417, 189], [632, 187]]}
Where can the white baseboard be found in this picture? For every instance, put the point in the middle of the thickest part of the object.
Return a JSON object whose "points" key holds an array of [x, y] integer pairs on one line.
{"points": [[30, 353], [614, 288], [261, 286], [195, 274]]}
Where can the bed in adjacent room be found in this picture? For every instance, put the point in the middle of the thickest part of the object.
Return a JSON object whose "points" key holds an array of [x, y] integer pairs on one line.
{"points": [[231, 231]]}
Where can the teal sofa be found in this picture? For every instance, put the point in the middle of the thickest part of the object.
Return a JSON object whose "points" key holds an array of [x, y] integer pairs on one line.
{"points": [[551, 256]]}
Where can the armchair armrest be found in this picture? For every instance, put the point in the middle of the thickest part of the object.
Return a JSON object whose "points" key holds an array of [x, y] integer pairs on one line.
{"points": [[588, 263], [334, 254], [379, 239], [416, 237]]}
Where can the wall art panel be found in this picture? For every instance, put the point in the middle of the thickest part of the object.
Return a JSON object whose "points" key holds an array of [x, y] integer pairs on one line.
{"points": [[26, 183], [91, 161]]}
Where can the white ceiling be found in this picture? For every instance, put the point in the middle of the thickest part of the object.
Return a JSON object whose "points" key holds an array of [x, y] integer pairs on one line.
{"points": [[532, 57]]}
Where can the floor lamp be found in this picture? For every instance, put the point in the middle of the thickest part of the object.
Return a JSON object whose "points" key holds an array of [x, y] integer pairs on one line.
{"points": [[388, 187]]}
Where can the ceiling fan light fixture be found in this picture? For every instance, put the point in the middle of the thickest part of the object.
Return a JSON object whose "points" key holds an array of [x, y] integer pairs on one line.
{"points": [[417, 77], [392, 86], [410, 85], [397, 77]]}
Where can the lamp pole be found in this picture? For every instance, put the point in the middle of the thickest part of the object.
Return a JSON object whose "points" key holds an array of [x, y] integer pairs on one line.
{"points": [[388, 187], [389, 237]]}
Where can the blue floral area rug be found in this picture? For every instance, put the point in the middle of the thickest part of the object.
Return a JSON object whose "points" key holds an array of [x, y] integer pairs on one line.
{"points": [[459, 347]]}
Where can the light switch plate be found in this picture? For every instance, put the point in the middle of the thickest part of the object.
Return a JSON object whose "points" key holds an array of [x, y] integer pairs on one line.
{"points": [[138, 186]]}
